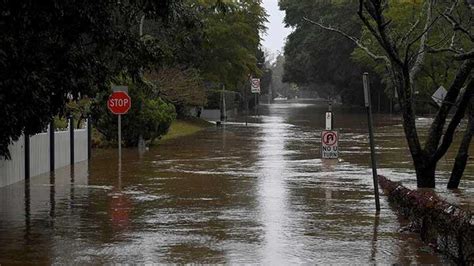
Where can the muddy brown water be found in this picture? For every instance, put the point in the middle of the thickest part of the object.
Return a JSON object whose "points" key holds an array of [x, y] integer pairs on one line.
{"points": [[235, 194]]}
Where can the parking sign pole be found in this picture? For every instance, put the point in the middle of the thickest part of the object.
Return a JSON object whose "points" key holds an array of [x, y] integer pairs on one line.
{"points": [[371, 135], [256, 105]]}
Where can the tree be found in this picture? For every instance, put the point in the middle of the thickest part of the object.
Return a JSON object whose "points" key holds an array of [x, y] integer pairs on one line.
{"points": [[403, 55], [463, 154], [51, 49], [265, 71], [182, 88], [280, 88], [232, 38], [317, 59]]}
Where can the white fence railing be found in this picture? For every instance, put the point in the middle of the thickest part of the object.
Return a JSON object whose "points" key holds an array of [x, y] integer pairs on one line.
{"points": [[14, 170]]}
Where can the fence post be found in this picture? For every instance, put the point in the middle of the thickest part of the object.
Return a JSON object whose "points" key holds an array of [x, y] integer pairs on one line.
{"points": [[71, 138], [27, 156], [52, 166], [89, 138]]}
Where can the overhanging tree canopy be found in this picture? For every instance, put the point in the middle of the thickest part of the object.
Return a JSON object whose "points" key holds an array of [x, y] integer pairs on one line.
{"points": [[52, 49], [403, 51]]}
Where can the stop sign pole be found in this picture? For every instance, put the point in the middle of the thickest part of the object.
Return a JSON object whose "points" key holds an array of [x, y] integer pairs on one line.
{"points": [[119, 103]]}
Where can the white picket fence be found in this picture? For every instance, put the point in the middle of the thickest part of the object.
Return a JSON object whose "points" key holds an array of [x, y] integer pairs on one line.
{"points": [[12, 171]]}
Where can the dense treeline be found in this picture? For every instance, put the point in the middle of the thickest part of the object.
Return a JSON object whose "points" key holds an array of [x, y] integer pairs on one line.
{"points": [[61, 58], [413, 46], [316, 59]]}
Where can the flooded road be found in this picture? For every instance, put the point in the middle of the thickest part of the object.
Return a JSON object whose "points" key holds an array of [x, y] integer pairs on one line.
{"points": [[236, 194]]}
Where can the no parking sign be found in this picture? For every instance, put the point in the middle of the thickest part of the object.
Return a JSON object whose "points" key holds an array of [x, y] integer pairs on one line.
{"points": [[255, 85]]}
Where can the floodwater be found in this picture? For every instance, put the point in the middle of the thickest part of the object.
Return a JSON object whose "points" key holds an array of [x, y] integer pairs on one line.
{"points": [[235, 194]]}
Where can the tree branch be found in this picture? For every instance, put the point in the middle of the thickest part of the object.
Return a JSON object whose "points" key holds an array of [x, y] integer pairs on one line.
{"points": [[367, 23], [420, 57], [410, 31], [457, 25], [435, 132], [460, 112], [375, 10], [353, 39], [465, 56]]}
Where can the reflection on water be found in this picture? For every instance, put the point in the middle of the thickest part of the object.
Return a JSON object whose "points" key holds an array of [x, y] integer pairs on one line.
{"points": [[272, 188], [373, 248], [236, 194]]}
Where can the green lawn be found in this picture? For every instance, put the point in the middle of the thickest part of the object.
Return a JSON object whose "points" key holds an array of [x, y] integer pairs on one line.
{"points": [[181, 128]]}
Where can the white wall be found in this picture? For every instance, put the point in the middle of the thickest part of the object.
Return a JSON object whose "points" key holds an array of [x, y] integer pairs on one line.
{"points": [[12, 171], [80, 145], [62, 157], [39, 154]]}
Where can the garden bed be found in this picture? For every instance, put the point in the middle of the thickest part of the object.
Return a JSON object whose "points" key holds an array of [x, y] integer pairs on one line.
{"points": [[444, 226]]}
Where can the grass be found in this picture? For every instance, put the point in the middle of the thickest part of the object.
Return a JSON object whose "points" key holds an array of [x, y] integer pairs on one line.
{"points": [[181, 128]]}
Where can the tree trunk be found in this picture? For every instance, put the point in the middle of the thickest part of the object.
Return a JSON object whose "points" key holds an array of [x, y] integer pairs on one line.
{"points": [[425, 168], [425, 175], [463, 153]]}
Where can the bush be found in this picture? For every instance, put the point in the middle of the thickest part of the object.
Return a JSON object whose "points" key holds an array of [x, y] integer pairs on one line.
{"points": [[149, 116], [152, 121]]}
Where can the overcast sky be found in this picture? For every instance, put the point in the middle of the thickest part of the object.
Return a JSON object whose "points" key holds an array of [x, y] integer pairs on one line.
{"points": [[274, 39]]}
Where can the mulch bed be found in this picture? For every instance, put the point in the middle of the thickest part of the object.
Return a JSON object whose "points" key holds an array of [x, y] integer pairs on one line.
{"points": [[444, 226]]}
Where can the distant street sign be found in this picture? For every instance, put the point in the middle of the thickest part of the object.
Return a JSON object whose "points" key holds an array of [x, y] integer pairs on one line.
{"points": [[329, 144], [255, 85], [328, 120], [439, 95], [119, 103]]}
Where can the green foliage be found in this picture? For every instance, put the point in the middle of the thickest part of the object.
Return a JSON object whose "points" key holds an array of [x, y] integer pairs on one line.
{"points": [[182, 88], [220, 47], [189, 126], [437, 69], [279, 87], [232, 37], [60, 123], [181, 42], [266, 72], [149, 116], [151, 122], [317, 59], [79, 109], [49, 49]]}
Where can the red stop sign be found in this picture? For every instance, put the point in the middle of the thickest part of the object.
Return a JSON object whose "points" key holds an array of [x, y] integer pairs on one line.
{"points": [[119, 102]]}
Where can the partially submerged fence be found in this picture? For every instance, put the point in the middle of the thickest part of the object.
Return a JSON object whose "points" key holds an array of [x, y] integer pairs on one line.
{"points": [[446, 227], [45, 152]]}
